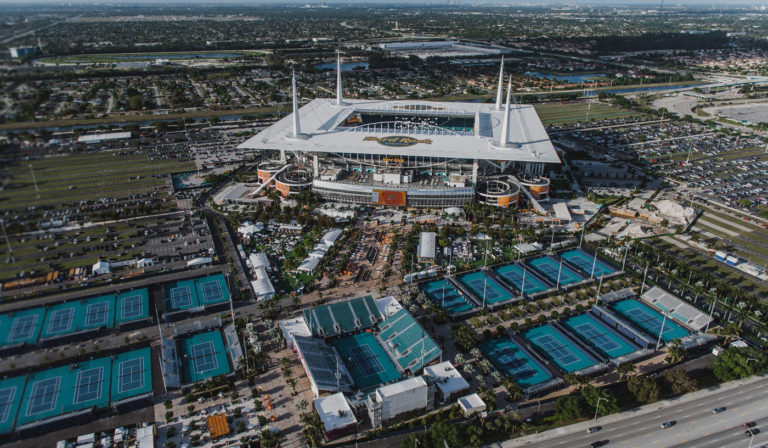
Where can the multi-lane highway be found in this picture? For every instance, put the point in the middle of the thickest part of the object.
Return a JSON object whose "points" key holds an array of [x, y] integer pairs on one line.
{"points": [[695, 424]]}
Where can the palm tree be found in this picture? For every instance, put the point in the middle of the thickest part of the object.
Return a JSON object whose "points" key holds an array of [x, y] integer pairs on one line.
{"points": [[312, 429], [675, 351], [626, 369]]}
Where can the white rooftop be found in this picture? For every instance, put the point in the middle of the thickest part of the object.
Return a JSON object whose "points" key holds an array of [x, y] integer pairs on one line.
{"points": [[334, 412], [426, 247], [561, 211], [321, 119], [388, 306], [401, 386], [449, 380]]}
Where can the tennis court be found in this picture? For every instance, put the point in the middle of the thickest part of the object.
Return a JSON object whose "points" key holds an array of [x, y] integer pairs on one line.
{"points": [[586, 262], [11, 391], [131, 305], [21, 327], [599, 336], [551, 269], [74, 387], [131, 374], [204, 356], [649, 320], [181, 295], [478, 284], [566, 355], [212, 289], [520, 278], [514, 361], [71, 317], [65, 389], [366, 361], [445, 295]]}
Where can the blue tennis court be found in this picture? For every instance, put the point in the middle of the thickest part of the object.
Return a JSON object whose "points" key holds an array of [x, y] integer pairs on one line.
{"points": [[586, 262], [514, 361], [478, 284], [131, 374], [599, 336], [97, 312], [132, 305], [181, 295], [65, 389], [649, 320], [21, 327], [445, 295], [550, 268], [11, 391], [566, 355], [212, 289], [520, 278], [204, 356], [366, 361]]}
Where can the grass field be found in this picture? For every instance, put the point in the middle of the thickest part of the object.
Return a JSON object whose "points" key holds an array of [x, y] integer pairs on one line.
{"points": [[552, 114], [66, 179]]}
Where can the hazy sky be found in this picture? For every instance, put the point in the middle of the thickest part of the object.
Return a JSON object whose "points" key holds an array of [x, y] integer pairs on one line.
{"points": [[638, 3]]}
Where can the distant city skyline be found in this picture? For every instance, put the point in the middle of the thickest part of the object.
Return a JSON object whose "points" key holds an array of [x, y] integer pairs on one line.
{"points": [[479, 3]]}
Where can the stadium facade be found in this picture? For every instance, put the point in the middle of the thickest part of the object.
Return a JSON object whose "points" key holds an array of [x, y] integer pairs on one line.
{"points": [[408, 153]]}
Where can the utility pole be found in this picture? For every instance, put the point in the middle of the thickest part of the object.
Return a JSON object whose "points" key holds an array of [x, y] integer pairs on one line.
{"points": [[7, 241], [37, 191]]}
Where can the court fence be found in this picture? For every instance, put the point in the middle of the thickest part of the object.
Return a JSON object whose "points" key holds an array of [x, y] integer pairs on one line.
{"points": [[197, 326]]}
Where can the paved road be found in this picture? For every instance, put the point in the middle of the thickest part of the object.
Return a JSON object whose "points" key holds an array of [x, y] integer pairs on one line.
{"points": [[695, 425]]}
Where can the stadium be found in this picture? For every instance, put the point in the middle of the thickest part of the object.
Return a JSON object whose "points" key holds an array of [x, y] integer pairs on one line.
{"points": [[406, 153], [359, 346]]}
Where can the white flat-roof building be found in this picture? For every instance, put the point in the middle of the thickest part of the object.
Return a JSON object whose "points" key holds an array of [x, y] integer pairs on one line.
{"points": [[449, 382], [98, 138], [399, 398], [427, 247], [410, 153], [294, 327], [335, 415], [471, 404]]}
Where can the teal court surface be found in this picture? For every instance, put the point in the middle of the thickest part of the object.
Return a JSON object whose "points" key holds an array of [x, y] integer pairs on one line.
{"points": [[566, 355], [131, 374], [514, 361], [587, 263], [204, 356], [445, 295], [72, 317], [181, 295], [551, 269], [131, 305], [31, 325], [212, 289], [649, 320], [366, 360], [92, 383], [483, 287], [520, 278], [21, 327], [599, 336]]}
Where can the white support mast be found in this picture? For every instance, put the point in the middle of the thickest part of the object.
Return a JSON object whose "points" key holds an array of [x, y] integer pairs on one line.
{"points": [[339, 97], [500, 92], [504, 137]]}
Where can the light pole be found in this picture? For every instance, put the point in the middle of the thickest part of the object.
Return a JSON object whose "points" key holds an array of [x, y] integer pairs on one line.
{"points": [[661, 330], [597, 406], [552, 240], [645, 274]]}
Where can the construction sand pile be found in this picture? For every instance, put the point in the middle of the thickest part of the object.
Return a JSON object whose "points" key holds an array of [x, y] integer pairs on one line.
{"points": [[636, 230]]}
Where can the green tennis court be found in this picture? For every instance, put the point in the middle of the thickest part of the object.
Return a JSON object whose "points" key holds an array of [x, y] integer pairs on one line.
{"points": [[181, 295], [367, 362], [21, 327], [65, 389], [11, 391], [649, 320], [131, 305], [204, 356], [514, 361], [71, 317], [566, 355], [601, 337], [444, 294], [482, 285], [554, 271], [212, 289], [131, 374]]}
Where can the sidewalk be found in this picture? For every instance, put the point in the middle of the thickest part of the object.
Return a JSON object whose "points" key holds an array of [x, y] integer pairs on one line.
{"points": [[613, 418]]}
